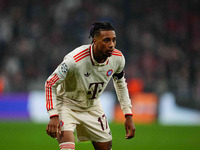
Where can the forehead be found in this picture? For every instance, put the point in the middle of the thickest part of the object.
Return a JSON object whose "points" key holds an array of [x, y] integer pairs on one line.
{"points": [[109, 33]]}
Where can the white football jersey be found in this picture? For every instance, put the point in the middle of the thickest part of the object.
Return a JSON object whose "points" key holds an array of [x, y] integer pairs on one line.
{"points": [[80, 80]]}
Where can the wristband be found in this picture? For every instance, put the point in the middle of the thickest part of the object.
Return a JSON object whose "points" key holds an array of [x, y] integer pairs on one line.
{"points": [[128, 115], [54, 116]]}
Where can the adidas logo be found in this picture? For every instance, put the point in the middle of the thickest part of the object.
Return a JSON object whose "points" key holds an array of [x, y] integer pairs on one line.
{"points": [[87, 74]]}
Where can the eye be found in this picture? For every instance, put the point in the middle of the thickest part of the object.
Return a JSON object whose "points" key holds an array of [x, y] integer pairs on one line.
{"points": [[106, 40]]}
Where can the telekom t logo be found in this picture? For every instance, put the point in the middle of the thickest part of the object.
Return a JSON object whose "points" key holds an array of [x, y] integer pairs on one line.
{"points": [[97, 89]]}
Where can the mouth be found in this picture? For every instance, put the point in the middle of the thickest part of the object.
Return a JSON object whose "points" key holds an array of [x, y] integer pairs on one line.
{"points": [[110, 52]]}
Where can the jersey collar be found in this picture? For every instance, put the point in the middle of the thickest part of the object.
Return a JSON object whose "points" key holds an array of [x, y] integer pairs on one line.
{"points": [[94, 62]]}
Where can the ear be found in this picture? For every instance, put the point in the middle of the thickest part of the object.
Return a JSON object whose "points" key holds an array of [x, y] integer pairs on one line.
{"points": [[94, 40]]}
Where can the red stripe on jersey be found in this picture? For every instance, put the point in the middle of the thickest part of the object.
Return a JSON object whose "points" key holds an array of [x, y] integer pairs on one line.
{"points": [[117, 53], [77, 55], [51, 101], [128, 115], [47, 91], [48, 88], [56, 115], [80, 56], [87, 54], [107, 62], [91, 54], [68, 145]]}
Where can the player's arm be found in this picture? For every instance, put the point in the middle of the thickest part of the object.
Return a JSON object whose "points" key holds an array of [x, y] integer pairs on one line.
{"points": [[121, 87], [123, 97], [56, 78], [125, 102], [122, 92]]}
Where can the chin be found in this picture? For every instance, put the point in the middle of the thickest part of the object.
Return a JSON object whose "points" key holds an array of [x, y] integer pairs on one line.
{"points": [[109, 55]]}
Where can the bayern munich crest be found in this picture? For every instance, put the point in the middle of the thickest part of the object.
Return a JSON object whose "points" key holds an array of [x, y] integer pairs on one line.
{"points": [[61, 123], [109, 72]]}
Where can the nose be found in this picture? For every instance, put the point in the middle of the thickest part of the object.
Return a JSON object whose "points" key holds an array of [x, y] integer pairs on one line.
{"points": [[112, 44]]}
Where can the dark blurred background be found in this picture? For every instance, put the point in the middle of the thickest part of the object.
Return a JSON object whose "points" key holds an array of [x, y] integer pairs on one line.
{"points": [[159, 39]]}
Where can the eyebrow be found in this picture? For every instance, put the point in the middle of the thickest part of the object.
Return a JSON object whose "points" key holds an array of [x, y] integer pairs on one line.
{"points": [[110, 37], [114, 38]]}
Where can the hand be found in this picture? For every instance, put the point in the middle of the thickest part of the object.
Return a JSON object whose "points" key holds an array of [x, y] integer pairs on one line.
{"points": [[54, 127], [129, 127]]}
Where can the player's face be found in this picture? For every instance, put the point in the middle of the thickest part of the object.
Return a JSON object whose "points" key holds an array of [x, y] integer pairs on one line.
{"points": [[105, 43]]}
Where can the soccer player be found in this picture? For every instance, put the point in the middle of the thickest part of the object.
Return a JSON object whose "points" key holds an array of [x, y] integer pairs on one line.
{"points": [[74, 88]]}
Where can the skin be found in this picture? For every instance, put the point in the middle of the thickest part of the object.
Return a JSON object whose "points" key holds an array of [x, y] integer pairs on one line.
{"points": [[103, 47]]}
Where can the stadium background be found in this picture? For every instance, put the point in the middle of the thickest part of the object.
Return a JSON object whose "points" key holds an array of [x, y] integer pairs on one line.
{"points": [[159, 39]]}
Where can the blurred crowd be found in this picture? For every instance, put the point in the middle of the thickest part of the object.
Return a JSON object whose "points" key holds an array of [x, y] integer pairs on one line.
{"points": [[160, 41]]}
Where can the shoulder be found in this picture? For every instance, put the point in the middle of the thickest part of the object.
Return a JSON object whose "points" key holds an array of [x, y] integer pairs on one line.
{"points": [[118, 60], [81, 52], [118, 56], [78, 53], [117, 52], [71, 59]]}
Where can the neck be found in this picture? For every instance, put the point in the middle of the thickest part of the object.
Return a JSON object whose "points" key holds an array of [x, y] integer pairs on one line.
{"points": [[98, 56]]}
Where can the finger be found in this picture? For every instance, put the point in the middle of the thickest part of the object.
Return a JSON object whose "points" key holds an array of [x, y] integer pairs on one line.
{"points": [[51, 130], [47, 130], [131, 134], [127, 135], [126, 128], [53, 134], [59, 129], [127, 132], [54, 131]]}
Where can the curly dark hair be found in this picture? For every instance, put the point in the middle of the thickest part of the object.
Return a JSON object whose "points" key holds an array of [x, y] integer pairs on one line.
{"points": [[100, 26]]}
